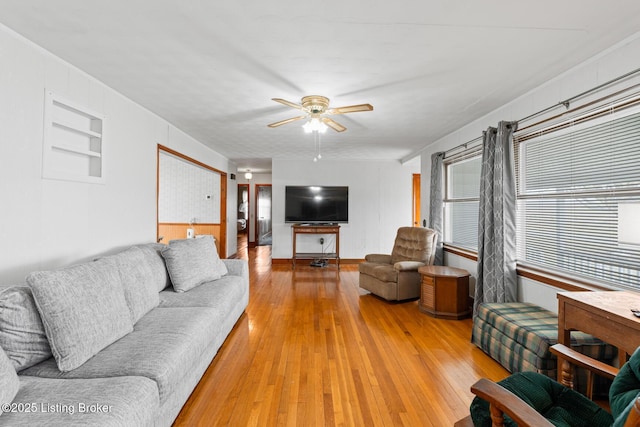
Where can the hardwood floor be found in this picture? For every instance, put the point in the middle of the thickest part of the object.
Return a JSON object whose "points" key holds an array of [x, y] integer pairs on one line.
{"points": [[312, 350]]}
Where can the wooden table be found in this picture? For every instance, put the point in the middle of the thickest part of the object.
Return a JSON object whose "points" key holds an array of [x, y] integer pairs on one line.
{"points": [[444, 292], [315, 229], [605, 315]]}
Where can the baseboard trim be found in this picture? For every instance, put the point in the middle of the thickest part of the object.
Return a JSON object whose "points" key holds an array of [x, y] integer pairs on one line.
{"points": [[282, 261]]}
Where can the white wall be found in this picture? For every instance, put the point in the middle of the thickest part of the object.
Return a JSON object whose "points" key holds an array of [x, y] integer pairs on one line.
{"points": [[608, 65], [47, 223], [380, 197], [187, 192]]}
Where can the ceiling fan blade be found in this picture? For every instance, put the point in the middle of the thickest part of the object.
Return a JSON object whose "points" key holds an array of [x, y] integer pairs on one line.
{"points": [[333, 124], [284, 122], [351, 109], [288, 103]]}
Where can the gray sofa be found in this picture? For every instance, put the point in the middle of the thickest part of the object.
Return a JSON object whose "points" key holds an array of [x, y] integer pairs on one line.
{"points": [[131, 335]]}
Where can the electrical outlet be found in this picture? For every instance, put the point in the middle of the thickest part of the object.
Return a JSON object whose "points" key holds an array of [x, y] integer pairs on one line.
{"points": [[322, 240]]}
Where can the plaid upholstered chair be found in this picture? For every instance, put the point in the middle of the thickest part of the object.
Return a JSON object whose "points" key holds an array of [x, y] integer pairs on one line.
{"points": [[531, 399], [395, 277]]}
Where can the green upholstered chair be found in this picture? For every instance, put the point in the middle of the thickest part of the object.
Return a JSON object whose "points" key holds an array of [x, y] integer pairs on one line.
{"points": [[532, 399]]}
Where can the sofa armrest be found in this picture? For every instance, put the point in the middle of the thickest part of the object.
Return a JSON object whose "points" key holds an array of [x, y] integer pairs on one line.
{"points": [[237, 267], [408, 265], [378, 258]]}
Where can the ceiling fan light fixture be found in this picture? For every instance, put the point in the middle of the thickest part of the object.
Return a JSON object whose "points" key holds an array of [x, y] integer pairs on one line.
{"points": [[314, 125], [316, 109]]}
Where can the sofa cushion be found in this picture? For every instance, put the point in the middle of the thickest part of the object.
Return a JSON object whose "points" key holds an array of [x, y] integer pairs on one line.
{"points": [[192, 262], [626, 387], [383, 272], [138, 281], [218, 294], [414, 244], [9, 382], [237, 267], [118, 401], [83, 309], [164, 343], [378, 258], [155, 261], [22, 334]]}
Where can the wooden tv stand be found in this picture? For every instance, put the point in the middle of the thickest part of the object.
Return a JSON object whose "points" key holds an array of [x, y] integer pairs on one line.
{"points": [[316, 229]]}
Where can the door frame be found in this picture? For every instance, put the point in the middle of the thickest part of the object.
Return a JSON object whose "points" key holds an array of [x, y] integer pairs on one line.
{"points": [[416, 200], [255, 209], [248, 187]]}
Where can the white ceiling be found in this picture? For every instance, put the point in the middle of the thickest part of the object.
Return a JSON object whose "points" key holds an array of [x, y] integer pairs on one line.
{"points": [[427, 66]]}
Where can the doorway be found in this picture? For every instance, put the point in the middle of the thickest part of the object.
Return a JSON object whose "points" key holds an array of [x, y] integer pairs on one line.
{"points": [[263, 214], [416, 200], [243, 216]]}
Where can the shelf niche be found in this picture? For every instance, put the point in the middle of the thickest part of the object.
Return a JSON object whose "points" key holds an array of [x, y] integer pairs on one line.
{"points": [[73, 146]]}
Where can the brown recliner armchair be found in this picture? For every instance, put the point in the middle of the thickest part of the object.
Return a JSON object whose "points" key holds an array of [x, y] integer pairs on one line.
{"points": [[395, 277]]}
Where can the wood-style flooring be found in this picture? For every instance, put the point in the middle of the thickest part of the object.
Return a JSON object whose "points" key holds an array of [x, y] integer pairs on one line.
{"points": [[313, 350]]}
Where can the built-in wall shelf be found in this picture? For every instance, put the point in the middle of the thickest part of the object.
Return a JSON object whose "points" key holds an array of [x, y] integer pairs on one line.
{"points": [[73, 128], [73, 147], [88, 153]]}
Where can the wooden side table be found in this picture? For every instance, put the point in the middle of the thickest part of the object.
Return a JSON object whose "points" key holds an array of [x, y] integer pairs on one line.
{"points": [[444, 292]]}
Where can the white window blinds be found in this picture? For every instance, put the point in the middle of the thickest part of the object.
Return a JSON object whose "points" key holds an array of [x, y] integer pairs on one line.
{"points": [[461, 202], [571, 183]]}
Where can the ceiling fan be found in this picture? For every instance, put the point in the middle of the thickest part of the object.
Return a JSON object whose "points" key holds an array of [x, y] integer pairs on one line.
{"points": [[316, 109]]}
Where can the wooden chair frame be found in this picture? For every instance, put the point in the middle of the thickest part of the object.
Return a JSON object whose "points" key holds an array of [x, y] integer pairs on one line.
{"points": [[502, 401]]}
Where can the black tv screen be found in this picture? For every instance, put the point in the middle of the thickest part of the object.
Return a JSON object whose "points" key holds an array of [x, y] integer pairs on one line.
{"points": [[315, 204]]}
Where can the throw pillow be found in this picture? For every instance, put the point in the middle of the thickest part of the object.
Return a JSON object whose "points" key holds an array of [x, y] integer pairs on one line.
{"points": [[83, 309], [22, 334], [9, 382], [140, 289], [192, 262]]}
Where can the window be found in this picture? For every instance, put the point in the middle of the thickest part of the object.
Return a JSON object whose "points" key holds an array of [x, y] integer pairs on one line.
{"points": [[572, 182], [461, 202]]}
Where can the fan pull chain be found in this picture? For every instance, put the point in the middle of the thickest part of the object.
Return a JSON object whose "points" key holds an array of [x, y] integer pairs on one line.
{"points": [[316, 140], [315, 146]]}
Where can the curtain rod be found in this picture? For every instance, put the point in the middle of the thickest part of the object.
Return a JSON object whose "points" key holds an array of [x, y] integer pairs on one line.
{"points": [[567, 102], [564, 103], [588, 104], [463, 145]]}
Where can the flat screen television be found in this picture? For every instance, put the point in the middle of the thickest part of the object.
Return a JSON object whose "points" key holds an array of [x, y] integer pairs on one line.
{"points": [[316, 204]]}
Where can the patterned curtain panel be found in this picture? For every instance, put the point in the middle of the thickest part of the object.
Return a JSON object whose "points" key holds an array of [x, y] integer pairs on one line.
{"points": [[497, 278], [436, 204]]}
